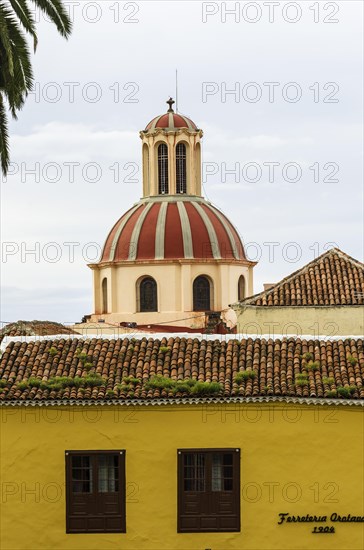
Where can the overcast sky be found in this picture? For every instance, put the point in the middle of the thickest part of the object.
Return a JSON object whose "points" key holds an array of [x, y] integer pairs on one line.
{"points": [[281, 151]]}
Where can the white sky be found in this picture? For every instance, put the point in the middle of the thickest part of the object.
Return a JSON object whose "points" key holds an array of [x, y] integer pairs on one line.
{"points": [[321, 130]]}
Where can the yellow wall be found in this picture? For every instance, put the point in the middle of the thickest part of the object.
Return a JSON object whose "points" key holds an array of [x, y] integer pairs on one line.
{"points": [[330, 321], [296, 459]]}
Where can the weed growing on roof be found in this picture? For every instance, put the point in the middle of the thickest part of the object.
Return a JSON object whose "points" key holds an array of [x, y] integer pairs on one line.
{"points": [[53, 351], [3, 383], [242, 376], [159, 382], [189, 386], [347, 391], [331, 393], [328, 380], [131, 380], [343, 392], [313, 365], [352, 360], [206, 388], [57, 383], [307, 356], [163, 349], [301, 379]]}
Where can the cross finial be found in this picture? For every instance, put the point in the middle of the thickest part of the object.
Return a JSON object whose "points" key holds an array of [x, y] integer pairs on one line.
{"points": [[170, 103]]}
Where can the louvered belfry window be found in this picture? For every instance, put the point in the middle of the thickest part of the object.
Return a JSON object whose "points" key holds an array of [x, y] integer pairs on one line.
{"points": [[181, 174], [162, 169], [208, 490], [95, 491]]}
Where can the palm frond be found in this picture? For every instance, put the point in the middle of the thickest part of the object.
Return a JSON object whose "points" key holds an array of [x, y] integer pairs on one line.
{"points": [[4, 137], [22, 11], [57, 14]]}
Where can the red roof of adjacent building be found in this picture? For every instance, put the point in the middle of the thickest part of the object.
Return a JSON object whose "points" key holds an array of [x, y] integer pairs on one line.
{"points": [[170, 228], [332, 279]]}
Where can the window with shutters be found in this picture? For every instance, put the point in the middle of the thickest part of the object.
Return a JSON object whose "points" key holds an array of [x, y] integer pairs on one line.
{"points": [[208, 490], [95, 491]]}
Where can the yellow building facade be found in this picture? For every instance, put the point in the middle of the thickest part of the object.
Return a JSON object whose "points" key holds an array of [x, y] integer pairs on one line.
{"points": [[296, 459]]}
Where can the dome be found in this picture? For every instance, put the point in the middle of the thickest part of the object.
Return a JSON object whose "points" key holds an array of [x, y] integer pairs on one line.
{"points": [[171, 228], [171, 121]]}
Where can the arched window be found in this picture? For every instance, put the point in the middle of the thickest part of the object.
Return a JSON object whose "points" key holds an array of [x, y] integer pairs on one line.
{"points": [[148, 295], [241, 288], [201, 294], [104, 295], [181, 175], [162, 169]]}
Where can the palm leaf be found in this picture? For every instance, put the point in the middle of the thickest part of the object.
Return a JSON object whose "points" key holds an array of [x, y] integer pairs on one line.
{"points": [[22, 11], [57, 14], [4, 138]]}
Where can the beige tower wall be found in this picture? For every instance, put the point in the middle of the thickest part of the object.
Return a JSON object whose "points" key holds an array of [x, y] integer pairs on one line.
{"points": [[175, 290]]}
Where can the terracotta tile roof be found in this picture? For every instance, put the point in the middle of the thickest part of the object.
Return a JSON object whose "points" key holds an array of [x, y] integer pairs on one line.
{"points": [[121, 369], [332, 279], [34, 328]]}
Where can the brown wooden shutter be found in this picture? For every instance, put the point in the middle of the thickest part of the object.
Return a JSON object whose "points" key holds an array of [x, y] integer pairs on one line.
{"points": [[95, 492], [214, 504]]}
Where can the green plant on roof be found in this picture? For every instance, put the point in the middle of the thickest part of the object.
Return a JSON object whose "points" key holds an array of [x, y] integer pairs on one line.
{"points": [[313, 365], [301, 379], [88, 366], [352, 389], [307, 356], [343, 392], [131, 349], [34, 382], [163, 349], [53, 351], [3, 383], [131, 380], [242, 376], [184, 386], [22, 386], [331, 393], [328, 380], [124, 387], [110, 393], [352, 360], [206, 388], [82, 357], [159, 382], [61, 382]]}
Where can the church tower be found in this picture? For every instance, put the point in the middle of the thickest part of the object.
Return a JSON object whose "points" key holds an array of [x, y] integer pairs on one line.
{"points": [[173, 258]]}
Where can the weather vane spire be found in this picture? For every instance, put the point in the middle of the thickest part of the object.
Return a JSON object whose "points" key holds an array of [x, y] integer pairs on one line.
{"points": [[170, 102]]}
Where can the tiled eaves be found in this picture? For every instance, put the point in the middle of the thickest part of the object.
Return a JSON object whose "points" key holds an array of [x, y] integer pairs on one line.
{"points": [[276, 362], [182, 401]]}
